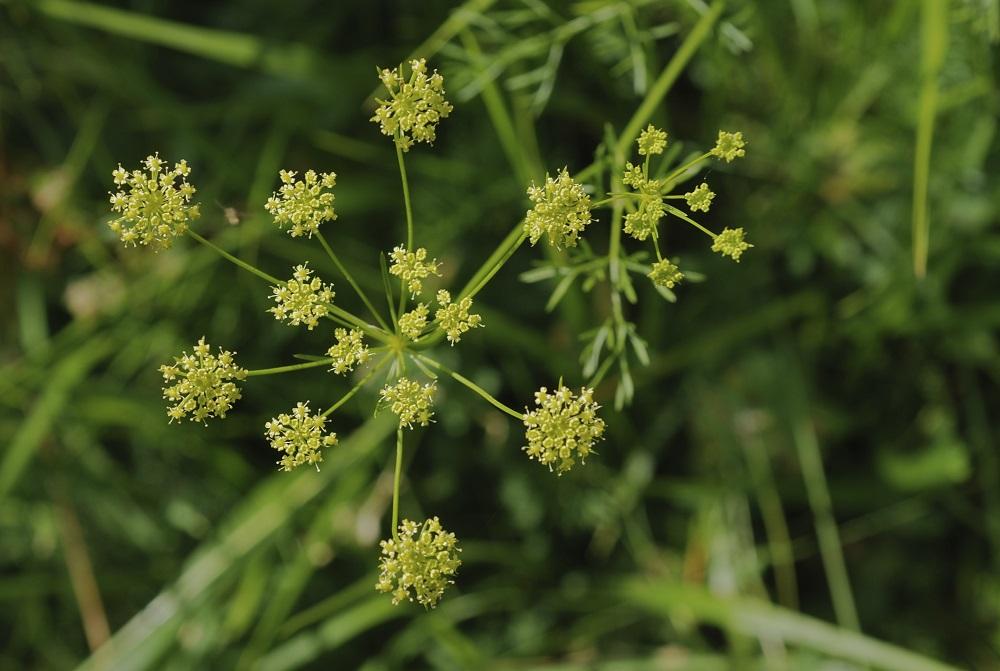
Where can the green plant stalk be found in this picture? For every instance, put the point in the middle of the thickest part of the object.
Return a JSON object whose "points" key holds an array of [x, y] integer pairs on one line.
{"points": [[506, 249], [680, 215], [344, 315], [406, 197], [239, 262], [350, 280], [811, 462], [509, 252], [289, 368], [668, 76], [668, 181], [395, 482], [496, 108], [356, 388], [765, 621], [471, 385], [775, 525], [934, 46]]}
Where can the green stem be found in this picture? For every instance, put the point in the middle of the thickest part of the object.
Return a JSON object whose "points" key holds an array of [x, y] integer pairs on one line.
{"points": [[677, 172], [496, 267], [471, 385], [395, 482], [350, 280], [669, 75], [290, 368], [818, 493], [406, 199], [344, 315], [510, 244], [680, 215], [354, 390], [490, 266], [229, 257], [934, 45]]}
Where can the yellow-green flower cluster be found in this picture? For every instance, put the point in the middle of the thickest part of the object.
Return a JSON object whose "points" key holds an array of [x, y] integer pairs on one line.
{"points": [[652, 141], [413, 322], [454, 318], [700, 198], [412, 267], [419, 563], [561, 210], [562, 428], [154, 205], [412, 402], [665, 274], [201, 384], [731, 243], [415, 105], [349, 351], [299, 437], [304, 204], [642, 222], [303, 299], [729, 146]]}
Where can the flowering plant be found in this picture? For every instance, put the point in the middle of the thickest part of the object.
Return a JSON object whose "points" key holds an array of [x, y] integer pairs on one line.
{"points": [[563, 428]]}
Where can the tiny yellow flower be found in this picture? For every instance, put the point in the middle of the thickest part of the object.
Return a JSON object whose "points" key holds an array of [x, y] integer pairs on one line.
{"points": [[652, 141], [414, 107], [349, 351], [454, 318], [303, 299], [299, 436], [561, 210], [562, 428], [730, 243], [202, 384], [413, 322], [412, 267], [700, 198], [665, 274], [729, 146], [412, 402], [154, 206], [419, 563], [302, 205]]}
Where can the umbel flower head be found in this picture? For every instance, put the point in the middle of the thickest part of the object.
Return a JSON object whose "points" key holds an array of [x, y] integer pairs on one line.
{"points": [[410, 401], [562, 428], [731, 243], [561, 210], [413, 322], [299, 437], [665, 274], [349, 351], [302, 205], [642, 222], [454, 318], [412, 267], [153, 205], [201, 384], [415, 105], [729, 146], [303, 299], [419, 563], [700, 198], [652, 141]]}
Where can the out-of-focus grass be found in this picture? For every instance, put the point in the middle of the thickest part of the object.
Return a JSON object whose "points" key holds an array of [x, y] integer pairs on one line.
{"points": [[814, 430]]}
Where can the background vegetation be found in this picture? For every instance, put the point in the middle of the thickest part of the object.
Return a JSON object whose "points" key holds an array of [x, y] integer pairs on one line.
{"points": [[810, 463]]}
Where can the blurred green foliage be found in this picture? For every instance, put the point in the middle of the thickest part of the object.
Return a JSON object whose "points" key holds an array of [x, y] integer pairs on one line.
{"points": [[816, 428]]}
